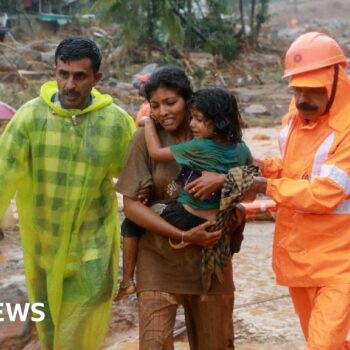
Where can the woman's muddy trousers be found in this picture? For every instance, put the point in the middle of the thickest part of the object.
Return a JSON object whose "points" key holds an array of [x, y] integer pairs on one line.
{"points": [[208, 320]]}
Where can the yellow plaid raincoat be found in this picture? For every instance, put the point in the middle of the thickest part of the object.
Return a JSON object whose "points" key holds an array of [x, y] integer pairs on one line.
{"points": [[61, 163]]}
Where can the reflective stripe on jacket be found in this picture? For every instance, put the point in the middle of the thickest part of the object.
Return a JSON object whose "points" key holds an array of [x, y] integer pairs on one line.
{"points": [[311, 185]]}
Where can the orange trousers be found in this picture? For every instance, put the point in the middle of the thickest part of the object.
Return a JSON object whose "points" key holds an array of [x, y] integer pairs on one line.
{"points": [[324, 314]]}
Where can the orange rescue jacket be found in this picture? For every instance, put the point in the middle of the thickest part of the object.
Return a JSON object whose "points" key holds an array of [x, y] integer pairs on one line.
{"points": [[311, 185]]}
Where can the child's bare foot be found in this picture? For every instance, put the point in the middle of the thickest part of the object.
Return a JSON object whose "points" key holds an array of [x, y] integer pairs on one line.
{"points": [[125, 289]]}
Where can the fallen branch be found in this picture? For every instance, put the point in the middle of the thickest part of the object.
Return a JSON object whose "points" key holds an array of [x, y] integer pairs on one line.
{"points": [[185, 21], [8, 47]]}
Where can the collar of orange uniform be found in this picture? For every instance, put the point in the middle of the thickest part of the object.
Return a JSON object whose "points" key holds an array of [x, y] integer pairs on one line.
{"points": [[311, 124], [339, 114]]}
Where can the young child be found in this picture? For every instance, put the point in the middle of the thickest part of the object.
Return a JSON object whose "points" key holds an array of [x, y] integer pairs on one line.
{"points": [[217, 147]]}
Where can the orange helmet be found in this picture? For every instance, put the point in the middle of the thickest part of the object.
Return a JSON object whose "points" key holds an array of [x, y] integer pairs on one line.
{"points": [[312, 51]]}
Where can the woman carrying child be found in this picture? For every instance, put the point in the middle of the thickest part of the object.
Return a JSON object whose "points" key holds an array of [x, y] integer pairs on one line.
{"points": [[217, 146], [168, 277]]}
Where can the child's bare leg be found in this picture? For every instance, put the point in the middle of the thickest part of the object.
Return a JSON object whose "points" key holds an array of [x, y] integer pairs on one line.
{"points": [[130, 248]]}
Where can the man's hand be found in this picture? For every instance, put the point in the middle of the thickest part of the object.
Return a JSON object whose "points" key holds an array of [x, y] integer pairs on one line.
{"points": [[199, 236], [259, 186], [143, 195], [259, 163], [208, 183]]}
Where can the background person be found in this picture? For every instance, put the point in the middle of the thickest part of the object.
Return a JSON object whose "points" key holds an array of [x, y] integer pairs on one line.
{"points": [[311, 185], [60, 152], [145, 108]]}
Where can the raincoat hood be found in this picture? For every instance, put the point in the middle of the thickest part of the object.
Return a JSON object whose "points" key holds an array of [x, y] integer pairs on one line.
{"points": [[50, 88], [339, 112]]}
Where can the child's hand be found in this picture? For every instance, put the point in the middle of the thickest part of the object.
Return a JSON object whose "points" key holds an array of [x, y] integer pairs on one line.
{"points": [[147, 119], [143, 119], [143, 195]]}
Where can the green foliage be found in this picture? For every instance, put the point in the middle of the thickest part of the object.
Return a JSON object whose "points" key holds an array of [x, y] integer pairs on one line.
{"points": [[217, 6], [226, 46], [264, 9], [198, 75], [166, 58], [148, 22], [202, 24], [9, 6]]}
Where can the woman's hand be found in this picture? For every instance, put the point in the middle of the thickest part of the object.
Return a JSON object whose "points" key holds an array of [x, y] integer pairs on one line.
{"points": [[147, 218], [199, 236], [208, 183]]}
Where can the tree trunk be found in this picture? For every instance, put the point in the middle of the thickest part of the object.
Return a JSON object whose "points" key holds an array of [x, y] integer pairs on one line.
{"points": [[252, 23], [188, 39], [241, 12], [150, 25], [261, 17]]}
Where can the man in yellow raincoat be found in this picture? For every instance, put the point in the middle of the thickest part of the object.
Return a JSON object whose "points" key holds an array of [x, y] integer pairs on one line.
{"points": [[60, 152], [311, 185]]}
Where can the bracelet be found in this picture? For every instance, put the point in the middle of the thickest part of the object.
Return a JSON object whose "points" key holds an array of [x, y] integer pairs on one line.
{"points": [[180, 245]]}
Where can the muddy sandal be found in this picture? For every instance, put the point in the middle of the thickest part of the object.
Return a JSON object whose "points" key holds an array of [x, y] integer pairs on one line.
{"points": [[125, 289]]}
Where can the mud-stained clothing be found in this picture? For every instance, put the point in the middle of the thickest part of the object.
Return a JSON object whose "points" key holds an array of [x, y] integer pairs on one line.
{"points": [[173, 270], [163, 270], [158, 313]]}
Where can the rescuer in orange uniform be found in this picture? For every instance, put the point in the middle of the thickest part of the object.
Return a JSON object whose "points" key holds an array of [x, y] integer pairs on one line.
{"points": [[311, 185]]}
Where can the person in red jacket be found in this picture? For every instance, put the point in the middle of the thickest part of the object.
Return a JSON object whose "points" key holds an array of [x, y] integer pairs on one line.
{"points": [[145, 108], [311, 186]]}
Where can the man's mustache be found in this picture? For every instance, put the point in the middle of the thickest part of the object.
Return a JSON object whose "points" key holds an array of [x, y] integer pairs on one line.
{"points": [[71, 93], [307, 106]]}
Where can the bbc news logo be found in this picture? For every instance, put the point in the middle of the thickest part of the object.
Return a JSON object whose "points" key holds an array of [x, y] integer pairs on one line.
{"points": [[16, 311]]}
